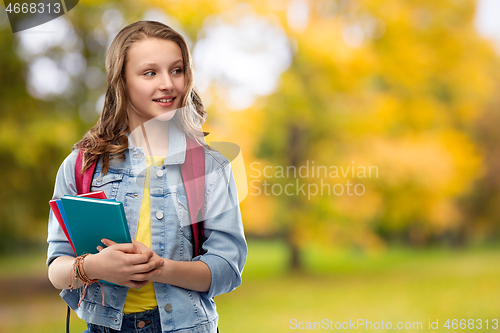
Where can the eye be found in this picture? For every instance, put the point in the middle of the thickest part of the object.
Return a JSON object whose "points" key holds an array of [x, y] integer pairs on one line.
{"points": [[177, 71], [150, 72]]}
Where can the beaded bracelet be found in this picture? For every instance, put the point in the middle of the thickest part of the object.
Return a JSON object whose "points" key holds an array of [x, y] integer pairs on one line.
{"points": [[79, 274]]}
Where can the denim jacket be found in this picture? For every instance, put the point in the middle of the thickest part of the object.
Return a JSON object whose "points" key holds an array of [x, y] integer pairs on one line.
{"points": [[224, 247]]}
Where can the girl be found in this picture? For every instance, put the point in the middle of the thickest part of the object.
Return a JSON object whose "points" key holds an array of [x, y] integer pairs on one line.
{"points": [[139, 142]]}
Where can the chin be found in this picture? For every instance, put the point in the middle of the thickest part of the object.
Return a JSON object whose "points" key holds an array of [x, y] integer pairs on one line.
{"points": [[166, 116]]}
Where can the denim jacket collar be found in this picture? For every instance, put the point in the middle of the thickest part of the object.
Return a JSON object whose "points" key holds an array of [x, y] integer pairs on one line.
{"points": [[176, 145]]}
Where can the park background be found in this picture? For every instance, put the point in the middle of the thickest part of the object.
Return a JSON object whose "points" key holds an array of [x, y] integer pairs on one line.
{"points": [[409, 88]]}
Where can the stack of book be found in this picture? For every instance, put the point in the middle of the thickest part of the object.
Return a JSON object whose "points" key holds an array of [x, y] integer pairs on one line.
{"points": [[88, 218]]}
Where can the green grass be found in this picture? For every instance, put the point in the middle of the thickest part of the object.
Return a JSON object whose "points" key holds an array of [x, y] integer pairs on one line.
{"points": [[401, 285]]}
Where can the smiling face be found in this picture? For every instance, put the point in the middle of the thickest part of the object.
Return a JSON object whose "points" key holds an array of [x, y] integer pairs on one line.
{"points": [[154, 75]]}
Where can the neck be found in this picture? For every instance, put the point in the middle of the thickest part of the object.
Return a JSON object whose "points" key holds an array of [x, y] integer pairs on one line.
{"points": [[152, 136]]}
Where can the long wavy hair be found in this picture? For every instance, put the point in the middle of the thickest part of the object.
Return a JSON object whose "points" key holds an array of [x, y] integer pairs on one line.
{"points": [[108, 137]]}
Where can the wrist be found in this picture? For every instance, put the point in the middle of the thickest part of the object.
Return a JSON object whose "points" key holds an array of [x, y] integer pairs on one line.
{"points": [[165, 272], [89, 267]]}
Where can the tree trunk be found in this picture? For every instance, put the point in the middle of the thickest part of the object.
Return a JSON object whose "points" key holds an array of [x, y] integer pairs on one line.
{"points": [[295, 263], [294, 204]]}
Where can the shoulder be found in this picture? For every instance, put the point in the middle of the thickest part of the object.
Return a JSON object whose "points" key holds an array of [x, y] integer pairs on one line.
{"points": [[217, 168], [214, 160], [65, 179], [218, 172], [68, 165]]}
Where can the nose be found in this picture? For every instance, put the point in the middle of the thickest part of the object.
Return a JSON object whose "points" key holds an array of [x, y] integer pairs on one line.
{"points": [[166, 83]]}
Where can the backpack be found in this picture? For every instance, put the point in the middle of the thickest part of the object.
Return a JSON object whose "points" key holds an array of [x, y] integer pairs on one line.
{"points": [[193, 177]]}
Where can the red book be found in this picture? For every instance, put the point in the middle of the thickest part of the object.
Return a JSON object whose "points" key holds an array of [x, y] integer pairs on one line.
{"points": [[57, 213]]}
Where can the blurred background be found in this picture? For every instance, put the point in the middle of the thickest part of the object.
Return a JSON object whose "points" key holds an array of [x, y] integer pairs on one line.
{"points": [[368, 134]]}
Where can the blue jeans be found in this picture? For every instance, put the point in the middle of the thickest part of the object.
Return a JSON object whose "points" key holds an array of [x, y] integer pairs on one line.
{"points": [[141, 322]]}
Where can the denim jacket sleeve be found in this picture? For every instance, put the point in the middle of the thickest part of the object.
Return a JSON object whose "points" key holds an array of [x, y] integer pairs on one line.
{"points": [[65, 184], [225, 246]]}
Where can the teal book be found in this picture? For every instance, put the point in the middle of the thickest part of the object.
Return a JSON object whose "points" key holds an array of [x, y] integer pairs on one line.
{"points": [[89, 220]]}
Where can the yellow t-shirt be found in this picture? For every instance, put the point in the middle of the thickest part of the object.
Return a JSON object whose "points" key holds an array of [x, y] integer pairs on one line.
{"points": [[143, 299]]}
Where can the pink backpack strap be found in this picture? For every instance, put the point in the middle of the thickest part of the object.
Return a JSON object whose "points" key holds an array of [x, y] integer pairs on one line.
{"points": [[83, 180], [193, 176]]}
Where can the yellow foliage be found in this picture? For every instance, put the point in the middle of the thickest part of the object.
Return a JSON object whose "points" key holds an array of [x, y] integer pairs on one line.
{"points": [[403, 100]]}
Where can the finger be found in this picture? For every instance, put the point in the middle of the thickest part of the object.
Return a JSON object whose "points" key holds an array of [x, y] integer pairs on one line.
{"points": [[100, 248], [146, 276], [107, 242], [147, 267], [147, 254], [141, 248], [137, 259], [129, 249], [124, 247]]}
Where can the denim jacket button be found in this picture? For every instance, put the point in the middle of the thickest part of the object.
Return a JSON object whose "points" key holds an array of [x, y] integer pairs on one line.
{"points": [[168, 307], [159, 215], [159, 173]]}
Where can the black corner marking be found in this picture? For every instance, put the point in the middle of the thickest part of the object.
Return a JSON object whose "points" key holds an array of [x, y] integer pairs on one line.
{"points": [[26, 14]]}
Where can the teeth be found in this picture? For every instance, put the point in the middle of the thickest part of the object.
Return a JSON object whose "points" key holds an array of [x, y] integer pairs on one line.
{"points": [[164, 100]]}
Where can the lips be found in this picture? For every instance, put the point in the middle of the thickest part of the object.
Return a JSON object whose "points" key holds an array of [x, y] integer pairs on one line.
{"points": [[164, 99]]}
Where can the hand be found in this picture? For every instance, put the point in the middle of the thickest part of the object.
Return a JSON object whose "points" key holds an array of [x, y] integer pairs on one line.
{"points": [[143, 248], [194, 275], [123, 264]]}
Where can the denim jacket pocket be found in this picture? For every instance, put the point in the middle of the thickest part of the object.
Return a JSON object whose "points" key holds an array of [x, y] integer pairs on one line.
{"points": [[108, 183]]}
